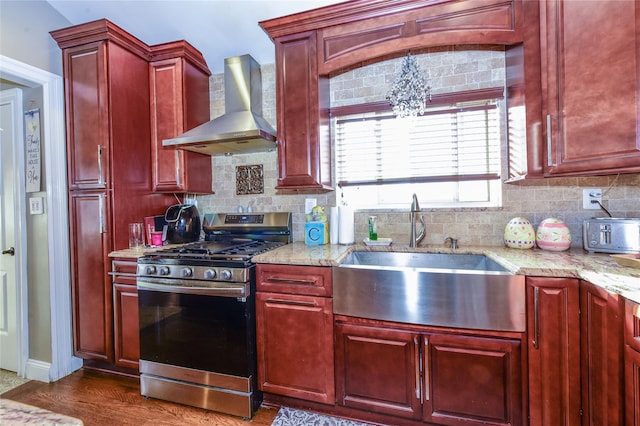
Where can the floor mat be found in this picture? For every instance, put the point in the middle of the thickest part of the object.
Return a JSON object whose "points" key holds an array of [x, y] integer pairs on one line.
{"points": [[10, 380], [290, 417]]}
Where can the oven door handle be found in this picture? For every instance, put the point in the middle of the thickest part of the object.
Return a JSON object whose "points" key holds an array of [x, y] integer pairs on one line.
{"points": [[237, 291]]}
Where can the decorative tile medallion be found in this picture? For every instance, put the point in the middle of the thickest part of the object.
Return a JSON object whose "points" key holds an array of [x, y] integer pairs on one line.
{"points": [[249, 180]]}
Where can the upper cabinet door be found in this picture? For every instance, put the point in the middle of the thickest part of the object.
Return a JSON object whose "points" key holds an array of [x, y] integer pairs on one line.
{"points": [[179, 102], [304, 140], [590, 75], [87, 116], [166, 122]]}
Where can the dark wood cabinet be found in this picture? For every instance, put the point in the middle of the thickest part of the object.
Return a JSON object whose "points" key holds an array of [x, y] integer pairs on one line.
{"points": [[312, 46], [632, 363], [472, 379], [106, 77], [125, 313], [591, 89], [179, 81], [86, 70], [90, 284], [302, 102], [553, 325], [601, 314], [294, 326], [428, 375], [378, 369]]}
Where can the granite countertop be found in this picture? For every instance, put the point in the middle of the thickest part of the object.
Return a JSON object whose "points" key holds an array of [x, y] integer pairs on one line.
{"points": [[597, 268], [140, 251]]}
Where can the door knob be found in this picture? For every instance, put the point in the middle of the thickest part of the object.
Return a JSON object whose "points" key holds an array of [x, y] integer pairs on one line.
{"points": [[11, 251]]}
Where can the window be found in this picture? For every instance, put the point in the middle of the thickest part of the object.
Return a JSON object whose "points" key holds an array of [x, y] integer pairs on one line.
{"points": [[450, 156]]}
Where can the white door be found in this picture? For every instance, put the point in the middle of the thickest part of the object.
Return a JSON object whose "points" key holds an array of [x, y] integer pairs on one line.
{"points": [[10, 130]]}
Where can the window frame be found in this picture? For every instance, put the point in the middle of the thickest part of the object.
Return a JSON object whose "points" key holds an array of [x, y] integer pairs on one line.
{"points": [[439, 100]]}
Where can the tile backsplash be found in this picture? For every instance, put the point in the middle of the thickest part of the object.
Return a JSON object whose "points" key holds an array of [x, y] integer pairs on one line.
{"points": [[448, 69]]}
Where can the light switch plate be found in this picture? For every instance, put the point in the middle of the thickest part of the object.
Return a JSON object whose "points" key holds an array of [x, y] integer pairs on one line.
{"points": [[36, 205], [309, 203]]}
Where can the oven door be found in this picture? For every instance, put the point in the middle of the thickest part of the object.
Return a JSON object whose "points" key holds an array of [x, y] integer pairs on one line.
{"points": [[199, 329]]}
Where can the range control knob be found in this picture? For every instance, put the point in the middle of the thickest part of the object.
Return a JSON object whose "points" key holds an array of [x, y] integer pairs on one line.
{"points": [[186, 272], [150, 270], [210, 274], [225, 274], [163, 270]]}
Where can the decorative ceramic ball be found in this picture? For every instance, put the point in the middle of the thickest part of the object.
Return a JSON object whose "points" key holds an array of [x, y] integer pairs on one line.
{"points": [[519, 234], [553, 234]]}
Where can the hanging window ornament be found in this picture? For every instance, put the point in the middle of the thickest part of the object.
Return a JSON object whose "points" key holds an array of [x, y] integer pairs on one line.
{"points": [[409, 93]]}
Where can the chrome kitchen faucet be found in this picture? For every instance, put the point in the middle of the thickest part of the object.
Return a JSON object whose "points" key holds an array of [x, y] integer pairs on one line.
{"points": [[416, 237]]}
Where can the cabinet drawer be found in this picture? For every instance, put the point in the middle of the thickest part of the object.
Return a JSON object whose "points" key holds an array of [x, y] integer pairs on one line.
{"points": [[124, 271], [632, 324], [294, 279]]}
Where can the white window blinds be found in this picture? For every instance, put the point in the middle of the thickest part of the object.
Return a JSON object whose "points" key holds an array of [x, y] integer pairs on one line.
{"points": [[452, 143]]}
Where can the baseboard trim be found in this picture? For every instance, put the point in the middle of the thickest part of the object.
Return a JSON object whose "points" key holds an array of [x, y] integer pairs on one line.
{"points": [[38, 370]]}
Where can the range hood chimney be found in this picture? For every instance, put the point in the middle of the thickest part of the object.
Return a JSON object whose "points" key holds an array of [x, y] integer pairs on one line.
{"points": [[241, 129]]}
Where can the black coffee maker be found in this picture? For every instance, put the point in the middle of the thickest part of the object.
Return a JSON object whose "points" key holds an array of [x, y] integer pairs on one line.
{"points": [[183, 223]]}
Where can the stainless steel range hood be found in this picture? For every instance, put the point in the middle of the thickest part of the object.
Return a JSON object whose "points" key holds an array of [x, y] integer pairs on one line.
{"points": [[241, 129]]}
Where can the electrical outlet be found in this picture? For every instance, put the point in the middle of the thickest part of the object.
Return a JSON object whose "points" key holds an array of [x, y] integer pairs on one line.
{"points": [[191, 201], [589, 198]]}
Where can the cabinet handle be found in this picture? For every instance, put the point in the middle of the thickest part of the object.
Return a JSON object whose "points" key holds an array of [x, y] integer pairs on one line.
{"points": [[101, 213], [290, 280], [177, 160], [416, 349], [122, 274], [426, 369], [100, 174], [292, 302], [549, 141], [536, 326]]}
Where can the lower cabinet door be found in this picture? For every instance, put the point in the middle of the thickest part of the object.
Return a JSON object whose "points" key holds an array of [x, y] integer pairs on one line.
{"points": [[378, 370], [553, 321], [295, 346], [91, 293], [632, 363], [601, 351], [632, 386], [127, 336], [472, 380]]}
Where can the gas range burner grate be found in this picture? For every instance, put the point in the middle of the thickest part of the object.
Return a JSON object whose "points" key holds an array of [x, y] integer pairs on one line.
{"points": [[234, 249]]}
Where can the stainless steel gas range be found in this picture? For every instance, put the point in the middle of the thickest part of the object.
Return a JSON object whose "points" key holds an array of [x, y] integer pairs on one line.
{"points": [[197, 314]]}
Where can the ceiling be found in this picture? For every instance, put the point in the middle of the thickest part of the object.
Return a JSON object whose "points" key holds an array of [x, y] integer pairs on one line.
{"points": [[217, 28]]}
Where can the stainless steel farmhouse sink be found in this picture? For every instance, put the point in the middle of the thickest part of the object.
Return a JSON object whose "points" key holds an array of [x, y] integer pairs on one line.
{"points": [[438, 289], [471, 262]]}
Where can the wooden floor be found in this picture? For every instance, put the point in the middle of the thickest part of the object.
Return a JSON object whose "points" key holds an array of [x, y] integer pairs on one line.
{"points": [[106, 399]]}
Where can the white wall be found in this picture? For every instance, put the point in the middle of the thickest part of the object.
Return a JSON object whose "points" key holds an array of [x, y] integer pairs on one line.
{"points": [[24, 33], [24, 36]]}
